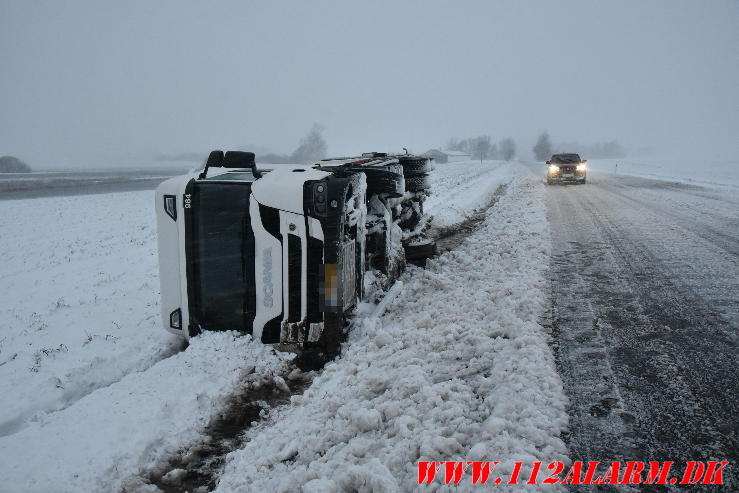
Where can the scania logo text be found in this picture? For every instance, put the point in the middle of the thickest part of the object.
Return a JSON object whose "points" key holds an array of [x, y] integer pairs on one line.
{"points": [[267, 276]]}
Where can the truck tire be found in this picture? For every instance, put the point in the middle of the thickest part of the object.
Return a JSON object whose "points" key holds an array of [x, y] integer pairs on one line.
{"points": [[418, 254], [417, 183], [416, 166], [384, 181]]}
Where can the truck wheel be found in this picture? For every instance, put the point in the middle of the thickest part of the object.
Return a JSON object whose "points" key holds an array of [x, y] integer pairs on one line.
{"points": [[416, 166], [417, 183], [384, 181], [418, 254]]}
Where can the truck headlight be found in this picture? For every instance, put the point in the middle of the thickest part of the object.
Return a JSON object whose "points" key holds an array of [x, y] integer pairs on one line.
{"points": [[319, 197], [553, 168], [582, 167]]}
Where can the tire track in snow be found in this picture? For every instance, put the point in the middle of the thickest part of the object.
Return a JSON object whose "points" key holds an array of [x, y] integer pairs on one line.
{"points": [[103, 440], [69, 398]]}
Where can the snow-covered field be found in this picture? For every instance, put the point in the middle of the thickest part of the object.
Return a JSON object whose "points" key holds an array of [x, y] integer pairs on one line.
{"points": [[710, 173], [95, 392], [79, 307]]}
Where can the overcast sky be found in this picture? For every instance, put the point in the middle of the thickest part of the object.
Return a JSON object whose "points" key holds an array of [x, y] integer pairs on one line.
{"points": [[96, 83]]}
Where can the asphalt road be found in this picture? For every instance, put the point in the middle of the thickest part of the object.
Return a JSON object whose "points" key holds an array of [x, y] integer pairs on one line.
{"points": [[14, 186], [645, 310]]}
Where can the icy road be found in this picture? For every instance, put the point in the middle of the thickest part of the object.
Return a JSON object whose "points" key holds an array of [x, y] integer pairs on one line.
{"points": [[645, 309]]}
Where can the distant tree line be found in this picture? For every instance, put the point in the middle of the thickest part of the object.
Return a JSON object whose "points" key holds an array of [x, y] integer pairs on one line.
{"points": [[483, 147], [311, 148], [602, 150], [10, 164], [543, 149]]}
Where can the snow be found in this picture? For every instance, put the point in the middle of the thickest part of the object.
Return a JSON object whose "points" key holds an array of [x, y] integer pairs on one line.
{"points": [[708, 173], [95, 392], [458, 189], [106, 438], [80, 300], [456, 368]]}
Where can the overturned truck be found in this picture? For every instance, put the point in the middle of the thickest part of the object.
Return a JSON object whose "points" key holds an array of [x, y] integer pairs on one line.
{"points": [[286, 253]]}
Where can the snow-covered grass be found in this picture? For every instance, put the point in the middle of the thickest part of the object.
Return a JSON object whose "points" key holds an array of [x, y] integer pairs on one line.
{"points": [[460, 188], [458, 368], [105, 439], [79, 300], [711, 173]]}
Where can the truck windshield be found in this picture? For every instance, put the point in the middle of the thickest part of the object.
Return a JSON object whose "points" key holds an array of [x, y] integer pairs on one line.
{"points": [[220, 257]]}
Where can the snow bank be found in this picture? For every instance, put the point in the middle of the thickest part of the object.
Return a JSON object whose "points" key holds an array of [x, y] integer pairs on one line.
{"points": [[457, 368], [458, 189], [716, 174], [112, 434], [80, 300]]}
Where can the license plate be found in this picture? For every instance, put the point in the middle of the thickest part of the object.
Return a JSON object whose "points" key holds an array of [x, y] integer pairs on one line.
{"points": [[567, 175]]}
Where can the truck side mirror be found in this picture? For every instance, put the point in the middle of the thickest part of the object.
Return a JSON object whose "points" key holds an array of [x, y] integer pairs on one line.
{"points": [[241, 159], [215, 160]]}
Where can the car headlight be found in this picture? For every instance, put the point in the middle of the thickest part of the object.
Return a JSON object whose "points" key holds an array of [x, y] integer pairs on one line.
{"points": [[581, 167], [553, 168]]}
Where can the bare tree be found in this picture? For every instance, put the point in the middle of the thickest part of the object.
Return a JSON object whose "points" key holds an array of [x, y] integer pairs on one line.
{"points": [[481, 147], [312, 147], [543, 148], [507, 148], [454, 144], [494, 152], [463, 145]]}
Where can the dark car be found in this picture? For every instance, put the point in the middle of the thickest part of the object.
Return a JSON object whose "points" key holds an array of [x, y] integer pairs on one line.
{"points": [[567, 167]]}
